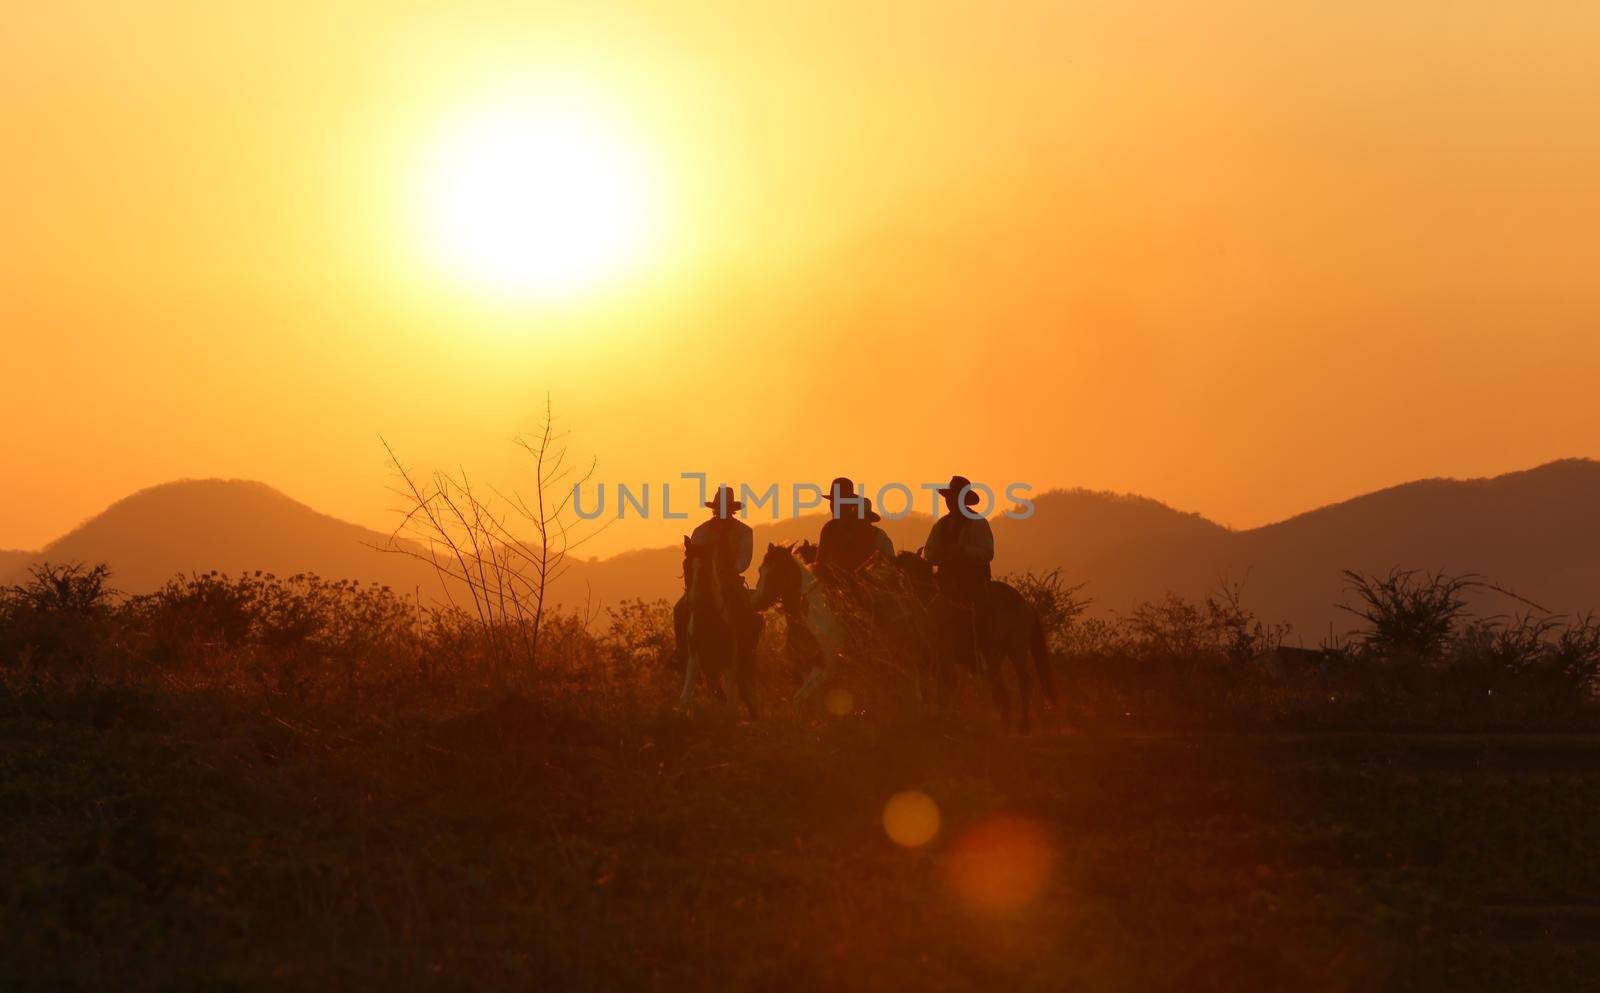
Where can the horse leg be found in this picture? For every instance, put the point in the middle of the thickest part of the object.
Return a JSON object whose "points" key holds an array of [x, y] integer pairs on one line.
{"points": [[926, 697], [1002, 697], [943, 682], [808, 688], [714, 679], [680, 633], [971, 650], [747, 638], [691, 673], [908, 642], [744, 676], [819, 675], [1019, 661], [948, 660], [944, 655]]}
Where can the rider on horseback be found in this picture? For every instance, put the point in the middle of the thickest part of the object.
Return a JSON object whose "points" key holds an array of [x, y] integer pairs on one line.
{"points": [[961, 548], [732, 540], [850, 539]]}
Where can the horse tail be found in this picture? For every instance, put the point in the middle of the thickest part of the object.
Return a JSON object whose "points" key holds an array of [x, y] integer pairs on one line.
{"points": [[1041, 660]]}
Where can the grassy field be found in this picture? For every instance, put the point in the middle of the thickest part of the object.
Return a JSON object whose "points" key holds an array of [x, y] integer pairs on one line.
{"points": [[204, 839]]}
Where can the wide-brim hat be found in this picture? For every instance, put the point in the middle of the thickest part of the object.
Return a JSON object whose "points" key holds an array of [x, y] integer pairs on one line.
{"points": [[872, 516], [956, 485], [845, 487], [726, 496]]}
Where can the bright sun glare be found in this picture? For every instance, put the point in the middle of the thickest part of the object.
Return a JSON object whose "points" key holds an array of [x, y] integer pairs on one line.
{"points": [[538, 196]]}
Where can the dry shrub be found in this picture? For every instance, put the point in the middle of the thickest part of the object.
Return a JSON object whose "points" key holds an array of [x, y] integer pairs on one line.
{"points": [[60, 618], [1422, 662]]}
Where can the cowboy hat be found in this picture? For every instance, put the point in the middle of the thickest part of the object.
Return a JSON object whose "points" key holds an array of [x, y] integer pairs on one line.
{"points": [[957, 484], [724, 497], [842, 485]]}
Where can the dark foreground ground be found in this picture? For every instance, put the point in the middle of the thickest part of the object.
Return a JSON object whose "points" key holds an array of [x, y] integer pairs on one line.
{"points": [[168, 841]]}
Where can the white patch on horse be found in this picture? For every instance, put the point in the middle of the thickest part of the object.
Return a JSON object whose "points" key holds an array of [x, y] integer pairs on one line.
{"points": [[819, 620], [698, 584], [691, 671]]}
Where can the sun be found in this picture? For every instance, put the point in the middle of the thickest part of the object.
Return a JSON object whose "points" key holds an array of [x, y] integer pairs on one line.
{"points": [[540, 195]]}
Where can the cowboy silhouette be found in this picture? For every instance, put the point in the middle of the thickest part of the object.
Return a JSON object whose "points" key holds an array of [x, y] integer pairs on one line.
{"points": [[961, 548], [849, 540], [732, 540]]}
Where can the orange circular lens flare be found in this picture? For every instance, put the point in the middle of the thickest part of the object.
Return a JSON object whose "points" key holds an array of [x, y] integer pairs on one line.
{"points": [[911, 819], [1002, 864], [839, 702]]}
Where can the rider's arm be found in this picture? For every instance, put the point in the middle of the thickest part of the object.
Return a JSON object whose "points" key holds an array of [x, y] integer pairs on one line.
{"points": [[743, 550]]}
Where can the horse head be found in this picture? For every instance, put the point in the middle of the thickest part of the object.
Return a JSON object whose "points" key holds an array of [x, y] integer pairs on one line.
{"points": [[702, 575], [781, 576], [917, 572]]}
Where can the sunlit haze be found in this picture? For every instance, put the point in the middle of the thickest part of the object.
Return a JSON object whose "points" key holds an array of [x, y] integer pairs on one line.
{"points": [[1074, 495], [1247, 258]]}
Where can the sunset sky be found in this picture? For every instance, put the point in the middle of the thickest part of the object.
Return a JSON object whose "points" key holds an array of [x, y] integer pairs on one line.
{"points": [[1246, 258]]}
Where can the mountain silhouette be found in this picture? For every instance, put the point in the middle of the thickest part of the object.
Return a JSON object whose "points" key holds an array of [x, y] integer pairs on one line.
{"points": [[12, 560], [231, 525], [1533, 532]]}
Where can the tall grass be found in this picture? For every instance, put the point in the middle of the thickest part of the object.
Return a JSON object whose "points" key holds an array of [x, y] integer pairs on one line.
{"points": [[255, 782], [1421, 660]]}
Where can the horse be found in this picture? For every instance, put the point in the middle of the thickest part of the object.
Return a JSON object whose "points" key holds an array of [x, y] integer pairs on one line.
{"points": [[713, 630], [786, 577], [1016, 635]]}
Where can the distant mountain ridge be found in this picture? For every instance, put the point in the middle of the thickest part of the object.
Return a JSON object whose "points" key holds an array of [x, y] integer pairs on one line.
{"points": [[12, 560], [231, 525], [1536, 532]]}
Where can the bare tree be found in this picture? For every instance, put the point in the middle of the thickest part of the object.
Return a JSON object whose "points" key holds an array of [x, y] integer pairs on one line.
{"points": [[497, 554]]}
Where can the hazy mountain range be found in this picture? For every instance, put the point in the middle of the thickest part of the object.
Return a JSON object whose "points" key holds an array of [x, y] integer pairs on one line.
{"points": [[1536, 532]]}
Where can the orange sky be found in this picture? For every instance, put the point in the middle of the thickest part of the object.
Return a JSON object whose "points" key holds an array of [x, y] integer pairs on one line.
{"points": [[1244, 257]]}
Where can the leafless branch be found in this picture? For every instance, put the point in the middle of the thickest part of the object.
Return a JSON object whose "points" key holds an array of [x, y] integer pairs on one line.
{"points": [[465, 533]]}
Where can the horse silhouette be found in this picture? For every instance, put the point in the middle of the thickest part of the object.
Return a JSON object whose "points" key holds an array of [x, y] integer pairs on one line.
{"points": [[1015, 636], [713, 629], [899, 607], [786, 577]]}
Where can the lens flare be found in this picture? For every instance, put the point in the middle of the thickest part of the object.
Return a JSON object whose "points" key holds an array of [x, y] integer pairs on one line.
{"points": [[839, 702], [911, 819], [1002, 864]]}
